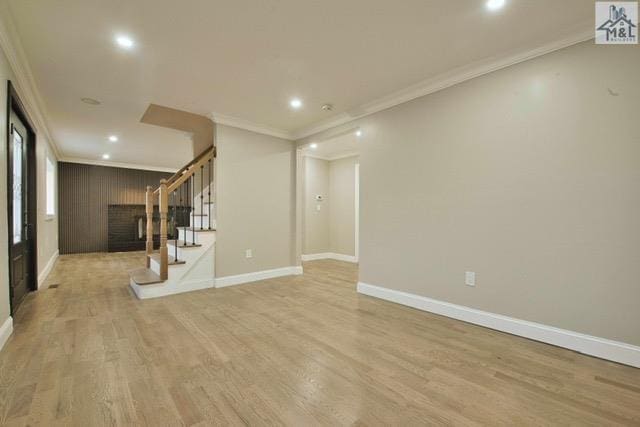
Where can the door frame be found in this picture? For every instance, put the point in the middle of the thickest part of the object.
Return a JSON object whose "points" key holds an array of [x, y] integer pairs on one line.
{"points": [[15, 104]]}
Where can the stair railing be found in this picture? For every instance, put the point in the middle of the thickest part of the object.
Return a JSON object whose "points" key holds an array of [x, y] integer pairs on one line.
{"points": [[184, 179]]}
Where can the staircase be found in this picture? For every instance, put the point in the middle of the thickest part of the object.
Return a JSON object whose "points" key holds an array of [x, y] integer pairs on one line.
{"points": [[185, 262]]}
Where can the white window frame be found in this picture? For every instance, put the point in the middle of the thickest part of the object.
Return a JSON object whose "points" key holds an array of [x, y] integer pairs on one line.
{"points": [[50, 188]]}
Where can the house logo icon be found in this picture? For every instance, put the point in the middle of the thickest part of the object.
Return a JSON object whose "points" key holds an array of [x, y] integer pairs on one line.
{"points": [[616, 22]]}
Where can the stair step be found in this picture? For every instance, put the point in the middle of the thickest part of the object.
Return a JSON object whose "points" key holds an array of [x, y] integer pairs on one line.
{"points": [[186, 246], [172, 260], [197, 230], [199, 214], [144, 276]]}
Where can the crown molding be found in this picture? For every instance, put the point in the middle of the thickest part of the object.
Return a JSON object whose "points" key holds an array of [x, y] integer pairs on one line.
{"points": [[331, 158], [237, 122], [24, 81], [117, 164], [443, 81]]}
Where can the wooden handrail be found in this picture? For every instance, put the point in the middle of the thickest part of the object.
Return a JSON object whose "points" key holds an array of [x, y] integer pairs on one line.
{"points": [[191, 170], [192, 162]]}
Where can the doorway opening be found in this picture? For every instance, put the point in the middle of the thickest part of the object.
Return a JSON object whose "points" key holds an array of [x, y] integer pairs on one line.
{"points": [[330, 199], [21, 200]]}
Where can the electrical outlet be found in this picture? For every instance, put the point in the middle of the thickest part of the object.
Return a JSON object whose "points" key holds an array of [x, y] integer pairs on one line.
{"points": [[470, 278], [248, 253]]}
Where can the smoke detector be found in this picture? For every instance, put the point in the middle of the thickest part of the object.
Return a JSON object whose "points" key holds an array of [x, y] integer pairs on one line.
{"points": [[327, 107]]}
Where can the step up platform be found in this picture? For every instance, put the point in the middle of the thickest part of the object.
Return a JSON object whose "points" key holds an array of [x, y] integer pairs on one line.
{"points": [[144, 276]]}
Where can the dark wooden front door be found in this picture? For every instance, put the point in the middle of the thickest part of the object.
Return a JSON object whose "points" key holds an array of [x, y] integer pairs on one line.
{"points": [[19, 210]]}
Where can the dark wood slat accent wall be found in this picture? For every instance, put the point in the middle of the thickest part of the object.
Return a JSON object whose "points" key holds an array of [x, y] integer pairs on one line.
{"points": [[86, 191]]}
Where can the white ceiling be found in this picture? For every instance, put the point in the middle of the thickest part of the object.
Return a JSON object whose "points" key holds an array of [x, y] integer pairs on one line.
{"points": [[338, 147], [245, 59]]}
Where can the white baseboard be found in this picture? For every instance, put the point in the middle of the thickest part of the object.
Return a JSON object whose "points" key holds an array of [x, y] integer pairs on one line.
{"points": [[594, 346], [47, 268], [5, 331], [238, 279], [329, 255]]}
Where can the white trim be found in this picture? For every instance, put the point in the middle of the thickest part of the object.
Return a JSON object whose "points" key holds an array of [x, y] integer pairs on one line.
{"points": [[315, 257], [5, 331], [239, 279], [332, 158], [600, 347], [117, 164], [47, 268], [24, 81], [329, 255], [356, 244], [443, 81], [237, 122]]}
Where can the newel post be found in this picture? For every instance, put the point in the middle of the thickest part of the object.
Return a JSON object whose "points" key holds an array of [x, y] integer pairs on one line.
{"points": [[149, 212], [164, 209]]}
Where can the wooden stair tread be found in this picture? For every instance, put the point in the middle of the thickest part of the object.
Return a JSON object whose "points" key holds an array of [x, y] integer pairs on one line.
{"points": [[144, 276], [185, 246], [199, 214], [197, 229], [172, 260]]}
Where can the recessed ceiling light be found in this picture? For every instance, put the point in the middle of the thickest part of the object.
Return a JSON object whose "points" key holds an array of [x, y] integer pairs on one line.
{"points": [[106, 156], [358, 132], [495, 4], [90, 101], [295, 103], [125, 42], [113, 138], [314, 146]]}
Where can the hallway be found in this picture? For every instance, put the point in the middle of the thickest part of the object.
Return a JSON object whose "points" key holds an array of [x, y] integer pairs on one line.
{"points": [[298, 350]]}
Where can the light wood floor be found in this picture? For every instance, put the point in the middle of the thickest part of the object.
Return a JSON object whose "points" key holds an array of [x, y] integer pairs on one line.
{"points": [[300, 351]]}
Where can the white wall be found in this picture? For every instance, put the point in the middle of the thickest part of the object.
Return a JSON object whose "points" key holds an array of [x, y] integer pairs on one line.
{"points": [[528, 176], [316, 234], [255, 196], [342, 208], [47, 227]]}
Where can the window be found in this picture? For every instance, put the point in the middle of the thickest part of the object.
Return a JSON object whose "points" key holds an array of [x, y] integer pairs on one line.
{"points": [[17, 186], [51, 188]]}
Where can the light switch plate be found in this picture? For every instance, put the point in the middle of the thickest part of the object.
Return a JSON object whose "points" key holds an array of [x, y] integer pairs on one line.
{"points": [[470, 278]]}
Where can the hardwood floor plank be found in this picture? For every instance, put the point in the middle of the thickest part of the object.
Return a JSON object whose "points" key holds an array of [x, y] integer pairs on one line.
{"points": [[300, 350]]}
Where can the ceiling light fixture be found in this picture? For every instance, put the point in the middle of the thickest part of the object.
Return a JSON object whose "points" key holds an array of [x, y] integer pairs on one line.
{"points": [[358, 132], [314, 146], [125, 42], [106, 156], [495, 4], [113, 138], [295, 103], [90, 101]]}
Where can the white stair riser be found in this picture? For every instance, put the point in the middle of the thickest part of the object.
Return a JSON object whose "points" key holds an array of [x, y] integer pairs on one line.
{"points": [[181, 251], [201, 237], [201, 221], [174, 270]]}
